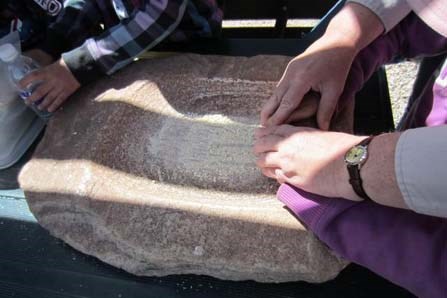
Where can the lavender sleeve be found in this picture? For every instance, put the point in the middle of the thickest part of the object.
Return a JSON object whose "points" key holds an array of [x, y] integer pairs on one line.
{"points": [[406, 248]]}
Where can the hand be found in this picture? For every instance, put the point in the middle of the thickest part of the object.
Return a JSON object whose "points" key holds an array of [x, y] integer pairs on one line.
{"points": [[307, 158], [323, 68], [57, 84]]}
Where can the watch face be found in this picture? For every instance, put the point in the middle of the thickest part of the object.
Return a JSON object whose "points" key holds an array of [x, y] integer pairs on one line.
{"points": [[356, 155]]}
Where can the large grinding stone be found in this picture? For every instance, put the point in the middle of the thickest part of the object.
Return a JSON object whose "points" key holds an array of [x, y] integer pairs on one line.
{"points": [[151, 170]]}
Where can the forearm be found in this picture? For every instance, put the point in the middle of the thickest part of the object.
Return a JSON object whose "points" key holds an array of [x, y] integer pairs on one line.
{"points": [[355, 26]]}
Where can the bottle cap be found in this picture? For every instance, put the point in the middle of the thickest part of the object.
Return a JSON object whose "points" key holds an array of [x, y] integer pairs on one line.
{"points": [[8, 53]]}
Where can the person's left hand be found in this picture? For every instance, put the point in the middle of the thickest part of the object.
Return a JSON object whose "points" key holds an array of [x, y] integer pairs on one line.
{"points": [[57, 83], [307, 158]]}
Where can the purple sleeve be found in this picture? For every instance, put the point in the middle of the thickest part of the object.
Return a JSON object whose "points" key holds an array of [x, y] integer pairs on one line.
{"points": [[404, 247], [410, 38]]}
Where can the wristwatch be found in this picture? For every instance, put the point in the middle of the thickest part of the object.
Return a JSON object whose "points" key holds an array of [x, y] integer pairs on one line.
{"points": [[355, 158]]}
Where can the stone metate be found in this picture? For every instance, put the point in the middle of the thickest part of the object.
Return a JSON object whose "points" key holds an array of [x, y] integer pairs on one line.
{"points": [[151, 170]]}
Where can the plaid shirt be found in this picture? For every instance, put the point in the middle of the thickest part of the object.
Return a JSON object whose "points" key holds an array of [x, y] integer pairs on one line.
{"points": [[131, 27]]}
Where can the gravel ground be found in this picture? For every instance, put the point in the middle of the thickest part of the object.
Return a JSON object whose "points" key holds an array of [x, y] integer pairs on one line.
{"points": [[400, 81]]}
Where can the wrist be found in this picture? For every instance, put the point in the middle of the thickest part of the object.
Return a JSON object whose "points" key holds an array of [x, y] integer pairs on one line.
{"points": [[378, 174], [343, 186], [82, 65]]}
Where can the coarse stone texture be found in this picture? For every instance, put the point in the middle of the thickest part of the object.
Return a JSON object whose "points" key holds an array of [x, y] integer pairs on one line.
{"points": [[151, 170]]}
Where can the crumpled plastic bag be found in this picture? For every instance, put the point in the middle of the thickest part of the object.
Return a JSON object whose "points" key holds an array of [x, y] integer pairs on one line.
{"points": [[19, 125], [8, 92]]}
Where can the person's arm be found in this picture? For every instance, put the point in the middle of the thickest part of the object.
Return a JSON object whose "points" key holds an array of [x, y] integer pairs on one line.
{"points": [[119, 45], [313, 160], [354, 26], [106, 53], [324, 66], [403, 170], [406, 248], [56, 82]]}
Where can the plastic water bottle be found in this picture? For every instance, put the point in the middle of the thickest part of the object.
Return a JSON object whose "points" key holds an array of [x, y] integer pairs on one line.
{"points": [[18, 67]]}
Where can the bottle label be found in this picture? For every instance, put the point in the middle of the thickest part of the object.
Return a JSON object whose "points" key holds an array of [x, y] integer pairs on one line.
{"points": [[24, 94]]}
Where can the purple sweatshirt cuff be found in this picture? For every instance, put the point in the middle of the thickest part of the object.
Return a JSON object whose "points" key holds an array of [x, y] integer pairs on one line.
{"points": [[310, 208], [404, 247]]}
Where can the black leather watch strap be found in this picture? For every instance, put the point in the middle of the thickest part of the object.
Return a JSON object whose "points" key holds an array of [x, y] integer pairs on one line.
{"points": [[354, 174]]}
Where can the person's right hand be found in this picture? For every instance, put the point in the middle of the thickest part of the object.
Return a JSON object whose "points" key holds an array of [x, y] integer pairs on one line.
{"points": [[322, 68], [57, 85]]}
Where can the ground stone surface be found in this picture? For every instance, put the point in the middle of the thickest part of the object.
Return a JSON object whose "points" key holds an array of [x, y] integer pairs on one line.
{"points": [[151, 171]]}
